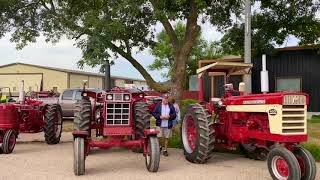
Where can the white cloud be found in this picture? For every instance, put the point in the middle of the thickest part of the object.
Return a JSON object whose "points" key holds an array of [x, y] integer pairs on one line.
{"points": [[65, 55]]}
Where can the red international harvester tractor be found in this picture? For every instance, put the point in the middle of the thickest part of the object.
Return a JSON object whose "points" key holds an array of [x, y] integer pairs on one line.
{"points": [[28, 116], [122, 118], [265, 126]]}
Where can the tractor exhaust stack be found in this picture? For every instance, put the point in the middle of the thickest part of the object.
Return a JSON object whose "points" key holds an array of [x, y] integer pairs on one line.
{"points": [[22, 93], [264, 76]]}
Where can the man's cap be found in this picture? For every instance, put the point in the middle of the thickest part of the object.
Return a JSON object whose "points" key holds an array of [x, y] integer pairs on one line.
{"points": [[166, 96]]}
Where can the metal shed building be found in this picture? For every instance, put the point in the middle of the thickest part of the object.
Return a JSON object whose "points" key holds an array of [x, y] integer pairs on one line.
{"points": [[38, 78]]}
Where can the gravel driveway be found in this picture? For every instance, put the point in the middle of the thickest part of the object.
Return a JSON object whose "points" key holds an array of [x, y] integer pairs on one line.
{"points": [[33, 159]]}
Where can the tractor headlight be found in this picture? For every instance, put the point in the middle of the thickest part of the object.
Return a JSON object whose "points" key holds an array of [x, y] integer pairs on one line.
{"points": [[109, 97], [126, 97], [84, 94], [141, 95], [220, 103]]}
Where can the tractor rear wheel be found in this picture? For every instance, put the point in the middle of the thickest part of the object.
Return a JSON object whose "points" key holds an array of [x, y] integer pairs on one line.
{"points": [[153, 156], [141, 121], [1, 140], [9, 141], [282, 164], [79, 156], [307, 163], [82, 115], [197, 134], [53, 124]]}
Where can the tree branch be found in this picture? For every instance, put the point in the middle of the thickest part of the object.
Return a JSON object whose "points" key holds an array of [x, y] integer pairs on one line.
{"points": [[192, 28], [127, 46], [150, 81], [52, 6], [167, 26]]}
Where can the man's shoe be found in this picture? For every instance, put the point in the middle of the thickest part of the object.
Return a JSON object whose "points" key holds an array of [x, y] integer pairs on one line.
{"points": [[165, 153]]}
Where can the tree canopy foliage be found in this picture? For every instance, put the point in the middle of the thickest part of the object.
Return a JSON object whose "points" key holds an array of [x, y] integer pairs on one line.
{"points": [[164, 56], [105, 28], [272, 23]]}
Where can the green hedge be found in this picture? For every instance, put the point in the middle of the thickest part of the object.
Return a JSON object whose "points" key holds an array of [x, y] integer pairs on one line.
{"points": [[185, 104]]}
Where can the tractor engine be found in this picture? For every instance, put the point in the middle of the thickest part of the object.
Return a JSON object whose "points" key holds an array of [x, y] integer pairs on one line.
{"points": [[276, 113]]}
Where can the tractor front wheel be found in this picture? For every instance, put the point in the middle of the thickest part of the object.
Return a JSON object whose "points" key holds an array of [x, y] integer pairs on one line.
{"points": [[141, 122], [197, 134], [9, 141], [152, 157], [307, 164], [53, 124], [282, 164], [82, 115], [79, 156]]}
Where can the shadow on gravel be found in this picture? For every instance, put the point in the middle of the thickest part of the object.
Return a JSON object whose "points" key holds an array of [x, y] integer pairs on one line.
{"points": [[41, 142]]}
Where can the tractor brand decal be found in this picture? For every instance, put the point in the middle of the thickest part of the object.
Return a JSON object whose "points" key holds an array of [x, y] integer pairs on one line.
{"points": [[254, 102], [273, 112]]}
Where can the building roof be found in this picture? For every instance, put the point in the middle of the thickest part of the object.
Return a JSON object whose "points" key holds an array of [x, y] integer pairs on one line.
{"points": [[296, 48], [71, 71], [228, 67], [232, 58]]}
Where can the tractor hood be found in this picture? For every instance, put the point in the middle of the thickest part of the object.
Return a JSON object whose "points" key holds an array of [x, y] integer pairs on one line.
{"points": [[291, 98]]}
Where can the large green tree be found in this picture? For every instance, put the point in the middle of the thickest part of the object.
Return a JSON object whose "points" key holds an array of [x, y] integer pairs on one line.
{"points": [[104, 28], [273, 28], [164, 52]]}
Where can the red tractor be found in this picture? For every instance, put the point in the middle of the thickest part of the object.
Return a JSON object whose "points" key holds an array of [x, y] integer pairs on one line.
{"points": [[122, 117], [28, 116], [266, 126]]}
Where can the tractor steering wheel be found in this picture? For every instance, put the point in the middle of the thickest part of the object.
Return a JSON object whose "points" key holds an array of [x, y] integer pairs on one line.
{"points": [[116, 88]]}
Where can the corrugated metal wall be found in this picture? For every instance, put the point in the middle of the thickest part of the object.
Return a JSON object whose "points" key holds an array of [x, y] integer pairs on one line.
{"points": [[304, 64]]}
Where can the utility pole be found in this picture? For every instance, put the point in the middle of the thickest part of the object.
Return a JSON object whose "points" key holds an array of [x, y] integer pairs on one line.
{"points": [[247, 44], [107, 76]]}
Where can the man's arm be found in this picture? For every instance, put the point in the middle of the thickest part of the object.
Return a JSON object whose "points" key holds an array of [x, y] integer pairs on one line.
{"points": [[156, 113], [172, 114]]}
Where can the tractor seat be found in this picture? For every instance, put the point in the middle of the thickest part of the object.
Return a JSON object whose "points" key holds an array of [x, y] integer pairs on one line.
{"points": [[3, 98], [215, 100]]}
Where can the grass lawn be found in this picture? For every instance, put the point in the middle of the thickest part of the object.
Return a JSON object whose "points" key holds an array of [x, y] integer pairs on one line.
{"points": [[313, 144]]}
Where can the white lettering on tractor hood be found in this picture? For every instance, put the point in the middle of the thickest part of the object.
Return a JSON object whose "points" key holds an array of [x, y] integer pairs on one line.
{"points": [[254, 101]]}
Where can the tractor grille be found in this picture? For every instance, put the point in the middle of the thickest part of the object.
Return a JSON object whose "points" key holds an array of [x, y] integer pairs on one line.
{"points": [[294, 119], [118, 114]]}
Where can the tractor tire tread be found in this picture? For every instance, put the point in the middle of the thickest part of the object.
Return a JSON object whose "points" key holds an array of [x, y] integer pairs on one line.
{"points": [[51, 137]]}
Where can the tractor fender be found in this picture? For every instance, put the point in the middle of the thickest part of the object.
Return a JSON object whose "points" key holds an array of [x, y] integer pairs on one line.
{"points": [[82, 134], [151, 132]]}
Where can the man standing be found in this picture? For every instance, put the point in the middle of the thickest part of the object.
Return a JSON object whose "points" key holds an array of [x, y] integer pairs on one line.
{"points": [[164, 113]]}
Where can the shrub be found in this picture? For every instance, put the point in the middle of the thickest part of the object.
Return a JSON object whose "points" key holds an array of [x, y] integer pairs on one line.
{"points": [[184, 105]]}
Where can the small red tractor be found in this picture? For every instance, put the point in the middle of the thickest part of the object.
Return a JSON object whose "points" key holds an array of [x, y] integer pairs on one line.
{"points": [[28, 116], [122, 118], [265, 126]]}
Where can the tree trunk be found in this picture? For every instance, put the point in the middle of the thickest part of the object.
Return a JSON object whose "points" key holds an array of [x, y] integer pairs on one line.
{"points": [[178, 80]]}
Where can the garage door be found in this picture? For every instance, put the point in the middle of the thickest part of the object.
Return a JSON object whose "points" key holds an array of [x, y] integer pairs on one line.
{"points": [[32, 82]]}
